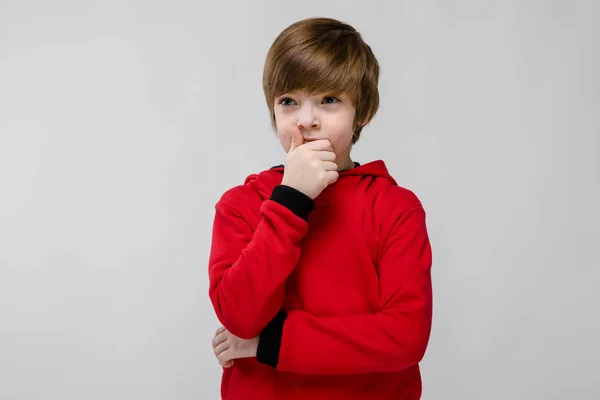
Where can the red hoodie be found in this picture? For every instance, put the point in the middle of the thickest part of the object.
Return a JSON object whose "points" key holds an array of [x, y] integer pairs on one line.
{"points": [[339, 289]]}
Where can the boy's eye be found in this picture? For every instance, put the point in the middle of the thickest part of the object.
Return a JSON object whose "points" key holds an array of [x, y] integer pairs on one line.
{"points": [[286, 101]]}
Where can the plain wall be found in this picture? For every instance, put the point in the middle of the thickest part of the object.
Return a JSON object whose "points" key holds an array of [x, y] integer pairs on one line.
{"points": [[122, 123]]}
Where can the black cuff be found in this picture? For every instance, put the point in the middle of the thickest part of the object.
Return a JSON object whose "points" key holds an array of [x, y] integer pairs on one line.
{"points": [[299, 203], [269, 342]]}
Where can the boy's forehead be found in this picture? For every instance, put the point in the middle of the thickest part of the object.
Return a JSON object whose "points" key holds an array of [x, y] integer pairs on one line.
{"points": [[315, 92]]}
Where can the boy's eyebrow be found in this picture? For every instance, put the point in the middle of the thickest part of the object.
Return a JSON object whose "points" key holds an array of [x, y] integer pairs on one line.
{"points": [[332, 93]]}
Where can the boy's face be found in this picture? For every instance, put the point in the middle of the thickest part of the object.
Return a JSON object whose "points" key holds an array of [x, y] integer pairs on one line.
{"points": [[316, 116]]}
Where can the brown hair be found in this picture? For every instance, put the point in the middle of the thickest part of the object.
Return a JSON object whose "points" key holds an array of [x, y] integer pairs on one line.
{"points": [[323, 55]]}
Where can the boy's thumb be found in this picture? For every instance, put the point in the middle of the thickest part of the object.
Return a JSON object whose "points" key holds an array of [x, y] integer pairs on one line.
{"points": [[297, 140]]}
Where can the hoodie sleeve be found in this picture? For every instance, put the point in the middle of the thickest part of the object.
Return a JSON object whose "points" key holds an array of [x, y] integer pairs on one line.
{"points": [[248, 268], [392, 339]]}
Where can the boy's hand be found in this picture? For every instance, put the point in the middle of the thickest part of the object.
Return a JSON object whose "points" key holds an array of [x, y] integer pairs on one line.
{"points": [[228, 347], [310, 167]]}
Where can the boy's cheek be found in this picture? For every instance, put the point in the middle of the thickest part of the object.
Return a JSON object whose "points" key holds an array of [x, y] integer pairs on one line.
{"points": [[284, 140], [285, 133]]}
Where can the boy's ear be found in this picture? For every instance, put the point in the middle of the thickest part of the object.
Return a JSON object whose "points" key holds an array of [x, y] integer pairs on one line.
{"points": [[363, 122]]}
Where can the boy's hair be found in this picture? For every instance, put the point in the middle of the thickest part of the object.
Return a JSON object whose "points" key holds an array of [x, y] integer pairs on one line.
{"points": [[323, 55]]}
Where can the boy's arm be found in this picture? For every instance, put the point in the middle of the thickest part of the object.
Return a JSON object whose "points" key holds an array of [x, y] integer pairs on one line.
{"points": [[392, 339], [248, 269]]}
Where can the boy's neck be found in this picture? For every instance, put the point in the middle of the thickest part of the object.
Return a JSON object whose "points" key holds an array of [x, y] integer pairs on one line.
{"points": [[346, 164], [344, 161]]}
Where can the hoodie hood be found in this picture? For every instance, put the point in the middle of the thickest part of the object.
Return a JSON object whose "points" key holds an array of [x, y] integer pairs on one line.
{"points": [[350, 183]]}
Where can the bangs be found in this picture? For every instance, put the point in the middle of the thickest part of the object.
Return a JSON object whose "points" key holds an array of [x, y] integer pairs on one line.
{"points": [[326, 66]]}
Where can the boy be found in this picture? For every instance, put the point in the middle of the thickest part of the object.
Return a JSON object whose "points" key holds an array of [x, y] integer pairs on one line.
{"points": [[320, 269]]}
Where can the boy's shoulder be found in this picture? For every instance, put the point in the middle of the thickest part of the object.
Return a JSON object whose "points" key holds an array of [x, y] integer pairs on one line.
{"points": [[385, 191], [395, 199]]}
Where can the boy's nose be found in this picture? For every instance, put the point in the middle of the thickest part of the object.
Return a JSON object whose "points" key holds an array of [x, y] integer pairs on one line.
{"points": [[308, 121]]}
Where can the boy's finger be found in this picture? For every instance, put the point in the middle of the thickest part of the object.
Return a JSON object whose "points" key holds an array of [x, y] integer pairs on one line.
{"points": [[221, 329], [320, 145], [326, 155], [224, 357], [220, 338], [221, 348], [297, 140]]}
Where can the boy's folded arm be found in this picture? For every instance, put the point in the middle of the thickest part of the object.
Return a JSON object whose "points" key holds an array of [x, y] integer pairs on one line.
{"points": [[393, 339], [248, 268]]}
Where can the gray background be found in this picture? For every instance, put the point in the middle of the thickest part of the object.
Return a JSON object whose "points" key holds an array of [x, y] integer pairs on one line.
{"points": [[121, 123]]}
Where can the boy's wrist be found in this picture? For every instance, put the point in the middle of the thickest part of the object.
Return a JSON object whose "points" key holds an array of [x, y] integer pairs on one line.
{"points": [[298, 202], [254, 346], [269, 341]]}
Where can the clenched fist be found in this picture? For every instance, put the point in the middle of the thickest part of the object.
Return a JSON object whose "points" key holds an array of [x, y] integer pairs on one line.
{"points": [[310, 167], [228, 347]]}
